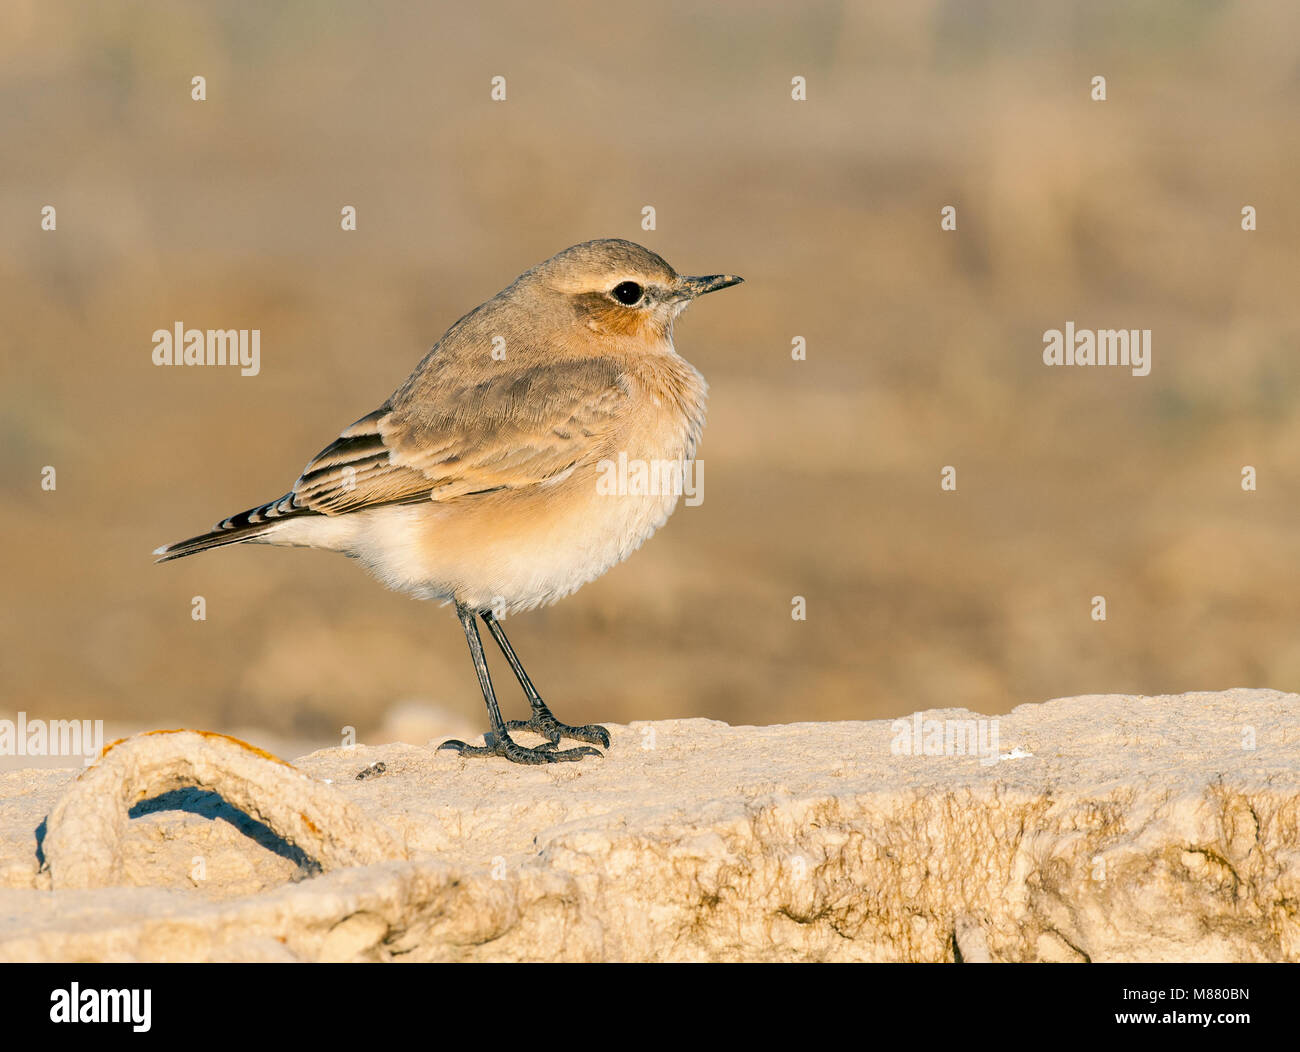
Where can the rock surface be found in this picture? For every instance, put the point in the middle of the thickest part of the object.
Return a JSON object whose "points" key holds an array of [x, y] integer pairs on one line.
{"points": [[1109, 828]]}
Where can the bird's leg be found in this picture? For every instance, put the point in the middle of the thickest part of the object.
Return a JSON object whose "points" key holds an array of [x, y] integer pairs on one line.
{"points": [[499, 741], [542, 721]]}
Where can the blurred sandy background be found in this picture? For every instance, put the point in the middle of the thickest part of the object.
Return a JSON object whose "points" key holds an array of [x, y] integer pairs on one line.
{"points": [[822, 477]]}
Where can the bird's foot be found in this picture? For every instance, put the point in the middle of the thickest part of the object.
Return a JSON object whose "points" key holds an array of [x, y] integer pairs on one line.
{"points": [[543, 722], [507, 748]]}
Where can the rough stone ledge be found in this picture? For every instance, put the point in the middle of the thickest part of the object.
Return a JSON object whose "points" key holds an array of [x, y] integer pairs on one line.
{"points": [[1110, 828]]}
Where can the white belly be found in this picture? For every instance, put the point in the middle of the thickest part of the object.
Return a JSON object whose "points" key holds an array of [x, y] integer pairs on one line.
{"points": [[515, 549], [492, 553]]}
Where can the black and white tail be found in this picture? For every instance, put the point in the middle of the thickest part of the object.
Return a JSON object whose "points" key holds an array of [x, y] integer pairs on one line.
{"points": [[242, 527]]}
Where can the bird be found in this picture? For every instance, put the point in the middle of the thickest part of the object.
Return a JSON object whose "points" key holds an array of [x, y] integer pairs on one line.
{"points": [[485, 482]]}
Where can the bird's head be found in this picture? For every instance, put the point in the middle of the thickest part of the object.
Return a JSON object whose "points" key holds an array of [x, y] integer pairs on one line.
{"points": [[619, 288]]}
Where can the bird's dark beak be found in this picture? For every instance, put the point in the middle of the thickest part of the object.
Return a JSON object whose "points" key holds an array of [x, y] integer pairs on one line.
{"points": [[693, 287]]}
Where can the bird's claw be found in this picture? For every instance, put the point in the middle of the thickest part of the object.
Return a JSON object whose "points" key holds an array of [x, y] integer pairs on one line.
{"points": [[507, 748], [553, 730]]}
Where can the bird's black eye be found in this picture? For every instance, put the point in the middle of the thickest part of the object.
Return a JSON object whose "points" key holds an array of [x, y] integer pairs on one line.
{"points": [[627, 292]]}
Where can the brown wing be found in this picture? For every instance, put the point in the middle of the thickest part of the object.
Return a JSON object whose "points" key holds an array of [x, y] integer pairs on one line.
{"points": [[521, 427]]}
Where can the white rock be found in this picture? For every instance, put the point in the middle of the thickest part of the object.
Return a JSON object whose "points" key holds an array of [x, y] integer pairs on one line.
{"points": [[1127, 828]]}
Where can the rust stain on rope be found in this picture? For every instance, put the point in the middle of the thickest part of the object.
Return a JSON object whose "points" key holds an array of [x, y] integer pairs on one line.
{"points": [[206, 734]]}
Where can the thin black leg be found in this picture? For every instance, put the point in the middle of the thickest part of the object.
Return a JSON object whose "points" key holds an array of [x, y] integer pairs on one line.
{"points": [[543, 721], [499, 741]]}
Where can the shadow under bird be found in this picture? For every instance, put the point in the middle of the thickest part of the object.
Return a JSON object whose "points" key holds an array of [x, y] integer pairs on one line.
{"points": [[477, 481]]}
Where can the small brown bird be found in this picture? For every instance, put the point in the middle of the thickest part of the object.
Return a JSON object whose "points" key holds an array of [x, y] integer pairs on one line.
{"points": [[487, 480]]}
